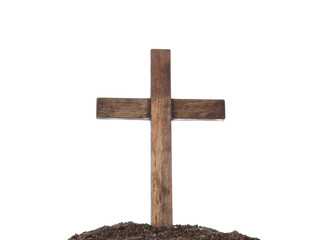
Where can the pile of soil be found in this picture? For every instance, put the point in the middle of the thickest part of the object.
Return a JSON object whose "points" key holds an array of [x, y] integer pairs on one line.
{"points": [[133, 231]]}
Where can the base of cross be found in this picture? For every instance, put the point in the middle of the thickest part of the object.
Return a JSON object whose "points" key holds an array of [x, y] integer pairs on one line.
{"points": [[134, 231]]}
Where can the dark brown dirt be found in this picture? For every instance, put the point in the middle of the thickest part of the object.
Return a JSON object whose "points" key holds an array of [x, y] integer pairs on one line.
{"points": [[133, 231]]}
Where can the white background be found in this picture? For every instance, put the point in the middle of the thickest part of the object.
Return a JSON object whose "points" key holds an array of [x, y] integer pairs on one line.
{"points": [[64, 172]]}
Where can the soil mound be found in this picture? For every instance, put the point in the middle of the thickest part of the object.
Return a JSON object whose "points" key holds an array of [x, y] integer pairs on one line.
{"points": [[133, 231]]}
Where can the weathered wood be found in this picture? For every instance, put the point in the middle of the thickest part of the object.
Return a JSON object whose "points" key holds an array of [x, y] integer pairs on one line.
{"points": [[161, 149], [161, 109], [140, 108], [133, 108], [198, 109]]}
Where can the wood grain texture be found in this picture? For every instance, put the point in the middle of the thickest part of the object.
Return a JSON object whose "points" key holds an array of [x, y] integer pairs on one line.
{"points": [[198, 109], [132, 108], [161, 148], [140, 108]]}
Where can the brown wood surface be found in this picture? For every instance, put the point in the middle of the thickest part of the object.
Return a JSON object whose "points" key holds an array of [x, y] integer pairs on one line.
{"points": [[161, 148], [140, 108], [198, 109], [161, 109], [133, 108]]}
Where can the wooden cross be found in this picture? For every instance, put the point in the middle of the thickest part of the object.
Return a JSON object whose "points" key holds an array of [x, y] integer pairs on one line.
{"points": [[160, 109]]}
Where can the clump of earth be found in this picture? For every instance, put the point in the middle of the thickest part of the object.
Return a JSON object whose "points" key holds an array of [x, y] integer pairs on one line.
{"points": [[133, 231]]}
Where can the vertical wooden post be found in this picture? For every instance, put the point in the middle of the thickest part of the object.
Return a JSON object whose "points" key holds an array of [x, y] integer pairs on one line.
{"points": [[161, 149]]}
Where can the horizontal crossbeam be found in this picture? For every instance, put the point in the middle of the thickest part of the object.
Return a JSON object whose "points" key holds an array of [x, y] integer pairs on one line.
{"points": [[140, 108]]}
